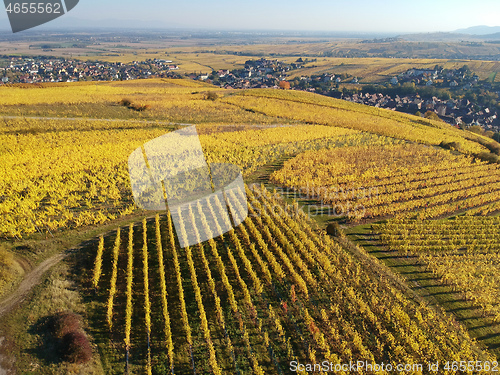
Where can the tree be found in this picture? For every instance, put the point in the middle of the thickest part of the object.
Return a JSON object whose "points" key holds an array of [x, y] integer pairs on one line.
{"points": [[432, 116], [489, 133], [334, 229], [284, 85], [470, 96], [444, 95], [211, 95], [476, 129], [76, 347]]}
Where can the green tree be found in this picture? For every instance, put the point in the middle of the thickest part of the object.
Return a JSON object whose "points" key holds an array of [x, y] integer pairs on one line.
{"points": [[476, 129], [432, 116]]}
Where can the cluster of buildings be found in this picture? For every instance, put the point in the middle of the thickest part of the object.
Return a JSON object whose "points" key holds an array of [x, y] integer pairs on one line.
{"points": [[48, 69], [262, 73], [461, 78], [265, 73], [454, 111]]}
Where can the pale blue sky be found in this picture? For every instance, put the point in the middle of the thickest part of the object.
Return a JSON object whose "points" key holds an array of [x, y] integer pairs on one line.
{"points": [[314, 15]]}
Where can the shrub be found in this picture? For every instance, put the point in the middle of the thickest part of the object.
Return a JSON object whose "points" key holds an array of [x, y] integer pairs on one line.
{"points": [[432, 116], [493, 147], [126, 102], [76, 347], [136, 107], [476, 129], [211, 95], [488, 156], [63, 323], [450, 145], [333, 229]]}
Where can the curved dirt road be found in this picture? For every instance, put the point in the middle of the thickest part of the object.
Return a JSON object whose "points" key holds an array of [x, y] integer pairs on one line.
{"points": [[31, 279]]}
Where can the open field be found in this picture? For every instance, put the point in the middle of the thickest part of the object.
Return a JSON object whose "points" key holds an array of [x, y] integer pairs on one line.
{"points": [[195, 53], [375, 70]]}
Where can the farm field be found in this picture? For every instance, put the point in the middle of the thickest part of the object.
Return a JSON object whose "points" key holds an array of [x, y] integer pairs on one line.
{"points": [[252, 300], [202, 54], [373, 182], [73, 178], [375, 70], [463, 252], [277, 287], [311, 108]]}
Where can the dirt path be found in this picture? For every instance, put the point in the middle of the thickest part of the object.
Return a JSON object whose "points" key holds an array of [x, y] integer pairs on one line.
{"points": [[145, 121], [31, 279], [140, 121]]}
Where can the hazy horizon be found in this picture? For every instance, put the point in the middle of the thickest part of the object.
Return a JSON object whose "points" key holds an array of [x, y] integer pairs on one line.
{"points": [[363, 16]]}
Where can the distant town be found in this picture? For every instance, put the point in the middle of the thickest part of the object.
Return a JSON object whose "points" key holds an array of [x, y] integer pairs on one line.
{"points": [[457, 96], [415, 91], [39, 70]]}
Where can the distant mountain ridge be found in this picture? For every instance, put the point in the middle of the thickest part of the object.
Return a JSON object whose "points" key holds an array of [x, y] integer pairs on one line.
{"points": [[453, 36], [479, 30]]}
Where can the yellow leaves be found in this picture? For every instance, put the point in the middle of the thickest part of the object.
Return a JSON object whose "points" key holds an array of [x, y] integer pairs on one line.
{"points": [[310, 108], [283, 134], [114, 275], [130, 277], [92, 92], [463, 252], [98, 263], [389, 180]]}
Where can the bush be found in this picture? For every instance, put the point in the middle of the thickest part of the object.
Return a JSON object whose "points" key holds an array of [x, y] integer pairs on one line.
{"points": [[432, 116], [126, 102], [488, 156], [7, 262], [450, 145], [493, 147], [139, 107], [63, 323], [211, 95], [333, 229], [476, 129], [136, 107], [76, 347]]}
